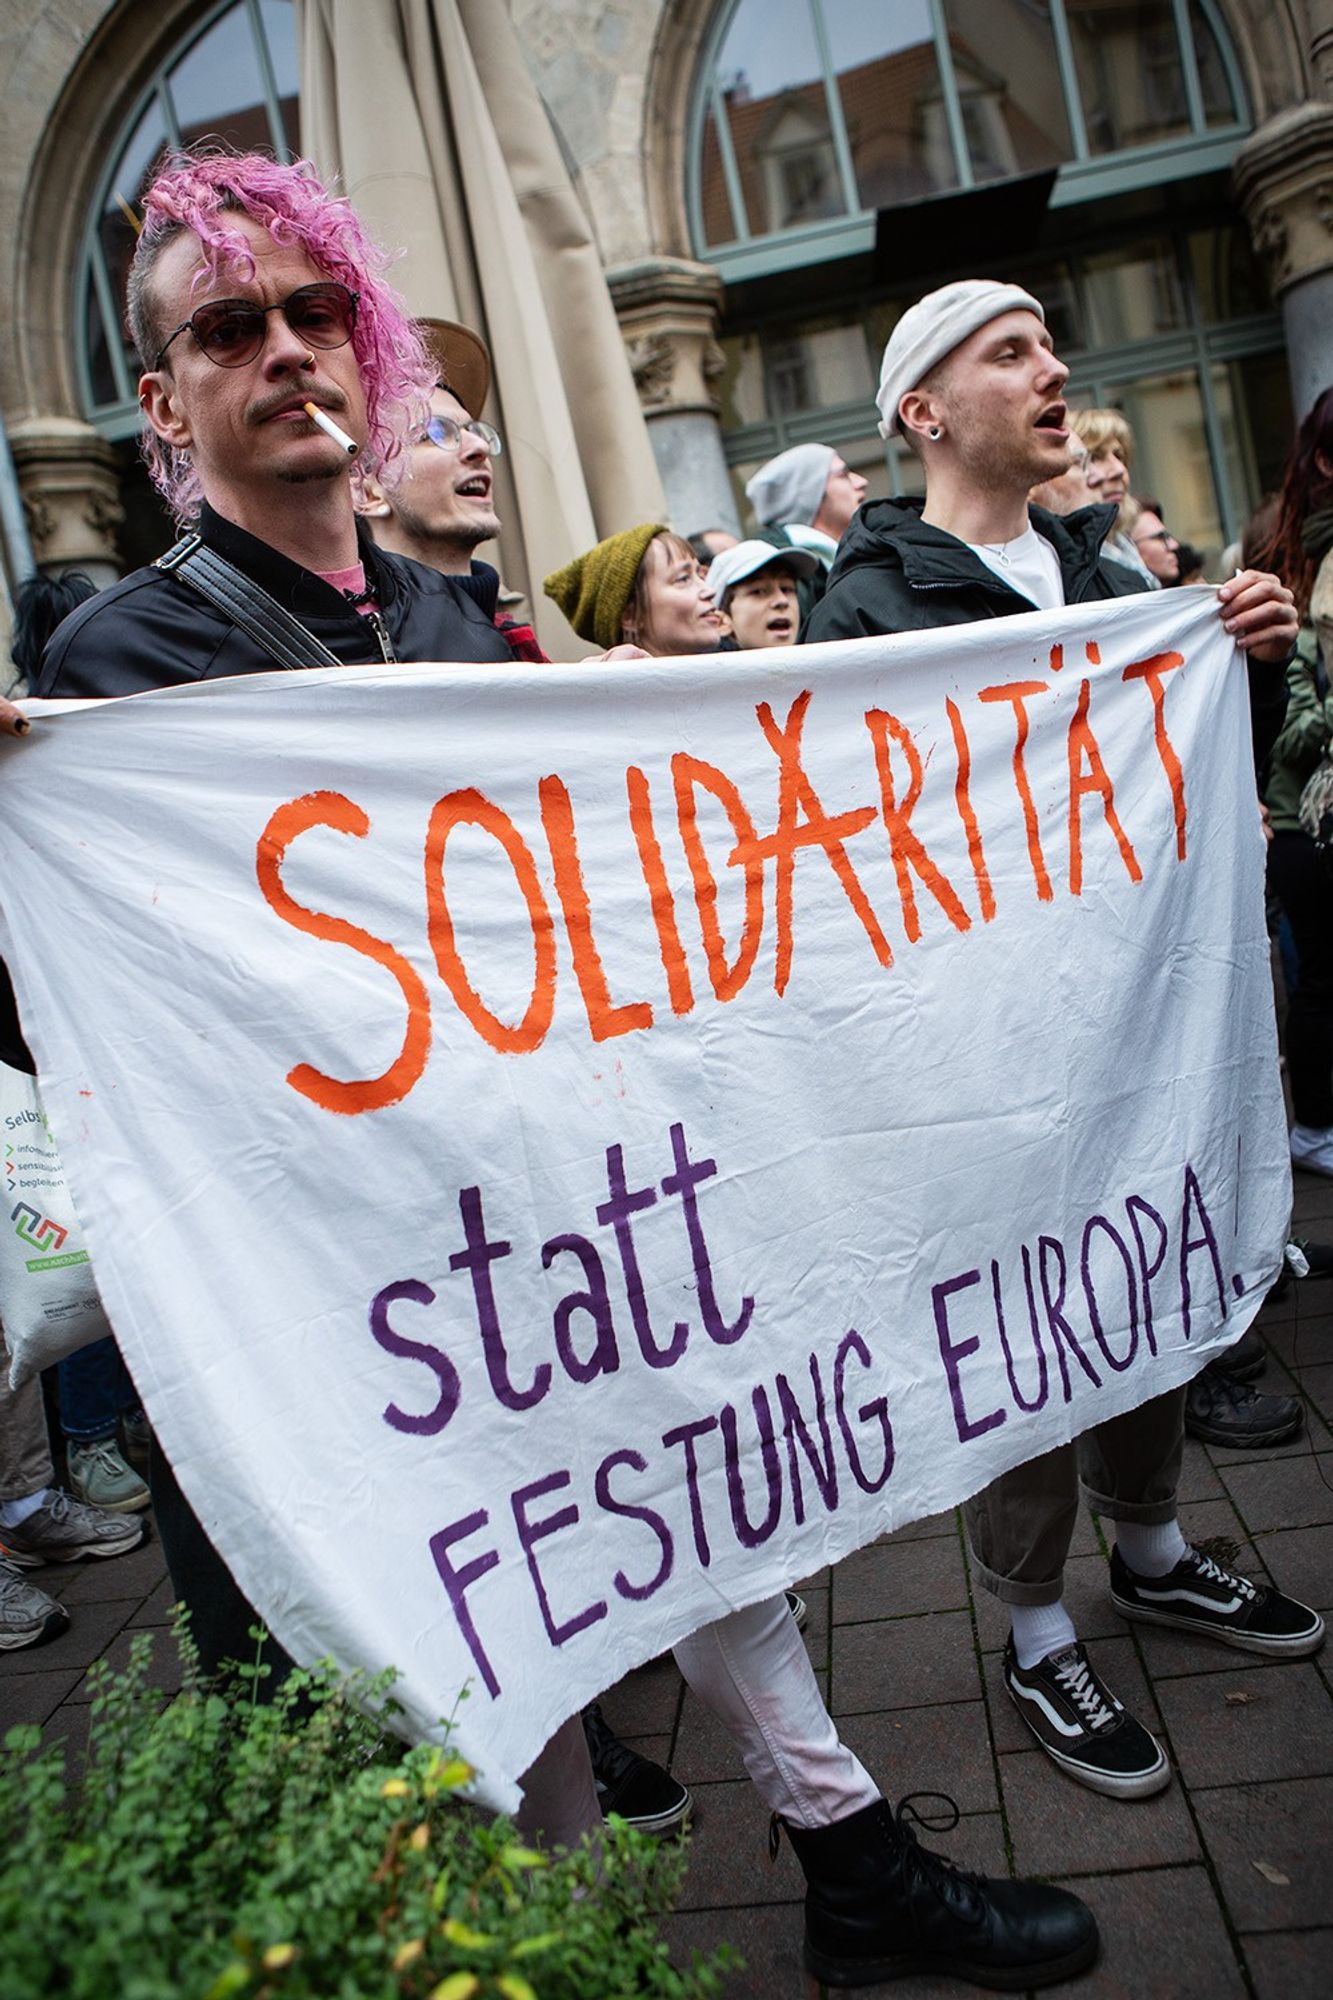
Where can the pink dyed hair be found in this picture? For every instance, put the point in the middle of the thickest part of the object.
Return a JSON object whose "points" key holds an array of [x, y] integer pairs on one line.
{"points": [[197, 190]]}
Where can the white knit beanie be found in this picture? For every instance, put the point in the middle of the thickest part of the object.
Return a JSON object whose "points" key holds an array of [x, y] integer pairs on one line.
{"points": [[932, 328], [791, 486]]}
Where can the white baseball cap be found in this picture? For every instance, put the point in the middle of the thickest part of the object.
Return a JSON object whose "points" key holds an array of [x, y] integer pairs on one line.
{"points": [[748, 558]]}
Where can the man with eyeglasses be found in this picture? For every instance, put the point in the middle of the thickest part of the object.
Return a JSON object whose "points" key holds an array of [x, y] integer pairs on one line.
{"points": [[444, 509]]}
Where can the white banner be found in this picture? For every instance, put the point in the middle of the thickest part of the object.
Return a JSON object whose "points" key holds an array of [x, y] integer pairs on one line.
{"points": [[567, 1151]]}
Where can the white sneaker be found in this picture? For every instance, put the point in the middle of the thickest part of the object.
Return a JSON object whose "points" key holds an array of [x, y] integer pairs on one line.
{"points": [[1312, 1148]]}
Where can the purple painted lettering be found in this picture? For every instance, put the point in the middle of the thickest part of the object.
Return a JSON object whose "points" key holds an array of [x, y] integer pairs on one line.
{"points": [[625, 1202], [953, 1351], [748, 1536], [852, 1343], [441, 1367], [794, 1425], [608, 1503], [595, 1301], [530, 1533], [1189, 1244], [1043, 1372], [685, 1435], [457, 1583], [683, 1182], [1050, 1250], [1089, 1292], [477, 1259]]}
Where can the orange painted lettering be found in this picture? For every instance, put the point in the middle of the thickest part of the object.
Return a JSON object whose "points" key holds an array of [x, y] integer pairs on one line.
{"points": [[605, 1017], [1151, 671], [963, 798], [908, 850], [298, 816], [659, 890], [1083, 749], [473, 808], [691, 774], [1018, 692], [817, 829]]}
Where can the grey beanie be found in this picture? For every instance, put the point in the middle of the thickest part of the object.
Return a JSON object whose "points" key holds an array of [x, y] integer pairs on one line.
{"points": [[791, 486], [932, 328]]}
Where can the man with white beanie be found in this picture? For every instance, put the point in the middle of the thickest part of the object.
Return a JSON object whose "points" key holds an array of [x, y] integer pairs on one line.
{"points": [[971, 382], [804, 499]]}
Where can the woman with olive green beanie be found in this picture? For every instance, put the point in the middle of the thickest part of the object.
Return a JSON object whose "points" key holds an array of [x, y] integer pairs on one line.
{"points": [[644, 587]]}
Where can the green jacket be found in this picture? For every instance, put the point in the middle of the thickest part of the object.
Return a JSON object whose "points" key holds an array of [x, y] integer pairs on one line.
{"points": [[1303, 738]]}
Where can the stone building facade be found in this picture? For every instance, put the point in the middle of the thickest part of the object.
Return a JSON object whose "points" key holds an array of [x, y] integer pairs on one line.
{"points": [[769, 183]]}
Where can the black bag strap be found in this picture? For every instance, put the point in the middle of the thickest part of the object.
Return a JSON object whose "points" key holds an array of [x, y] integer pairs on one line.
{"points": [[246, 603]]}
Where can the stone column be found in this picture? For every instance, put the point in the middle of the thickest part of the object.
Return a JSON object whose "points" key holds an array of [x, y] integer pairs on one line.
{"points": [[71, 495], [1284, 180], [668, 309]]}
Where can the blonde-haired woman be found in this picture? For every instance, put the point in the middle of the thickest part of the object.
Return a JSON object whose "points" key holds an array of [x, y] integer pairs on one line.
{"points": [[1109, 442]]}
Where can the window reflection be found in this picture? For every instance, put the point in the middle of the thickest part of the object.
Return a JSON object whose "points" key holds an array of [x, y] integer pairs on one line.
{"points": [[1009, 85], [1133, 293], [1171, 461], [892, 101], [217, 87], [771, 83], [1129, 70], [279, 18]]}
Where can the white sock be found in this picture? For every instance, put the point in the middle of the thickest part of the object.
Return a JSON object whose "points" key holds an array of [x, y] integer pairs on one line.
{"points": [[1150, 1550], [13, 1513], [1040, 1629]]}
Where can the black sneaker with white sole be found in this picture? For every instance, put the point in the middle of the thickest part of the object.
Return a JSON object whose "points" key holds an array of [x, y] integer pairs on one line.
{"points": [[1198, 1595], [631, 1786], [1083, 1728]]}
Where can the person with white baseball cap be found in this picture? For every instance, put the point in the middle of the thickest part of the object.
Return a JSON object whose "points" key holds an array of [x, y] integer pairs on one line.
{"points": [[804, 499], [754, 586], [970, 380]]}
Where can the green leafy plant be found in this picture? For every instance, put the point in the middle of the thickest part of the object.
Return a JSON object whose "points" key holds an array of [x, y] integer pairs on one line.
{"points": [[223, 1847]]}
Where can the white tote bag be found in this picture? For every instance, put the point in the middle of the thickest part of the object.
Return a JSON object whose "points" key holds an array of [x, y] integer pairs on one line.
{"points": [[48, 1302]]}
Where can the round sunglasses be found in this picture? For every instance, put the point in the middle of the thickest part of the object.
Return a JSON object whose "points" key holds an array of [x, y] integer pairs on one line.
{"points": [[233, 331]]}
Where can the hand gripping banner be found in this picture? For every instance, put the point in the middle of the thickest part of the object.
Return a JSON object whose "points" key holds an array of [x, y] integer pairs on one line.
{"points": [[566, 1151]]}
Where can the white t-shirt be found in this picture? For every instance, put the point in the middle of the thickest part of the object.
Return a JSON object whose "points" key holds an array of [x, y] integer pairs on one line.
{"points": [[1028, 565]]}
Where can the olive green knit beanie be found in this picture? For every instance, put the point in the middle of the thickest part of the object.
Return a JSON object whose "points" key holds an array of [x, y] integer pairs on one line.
{"points": [[594, 590]]}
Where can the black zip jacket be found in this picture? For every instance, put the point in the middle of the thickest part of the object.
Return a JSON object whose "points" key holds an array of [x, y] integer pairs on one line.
{"points": [[895, 573], [152, 630]]}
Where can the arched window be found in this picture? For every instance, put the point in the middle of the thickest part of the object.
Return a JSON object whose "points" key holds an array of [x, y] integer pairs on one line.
{"points": [[811, 115], [233, 78]]}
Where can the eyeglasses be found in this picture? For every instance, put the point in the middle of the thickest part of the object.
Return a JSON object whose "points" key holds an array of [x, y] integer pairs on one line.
{"points": [[1159, 535], [233, 331], [448, 435]]}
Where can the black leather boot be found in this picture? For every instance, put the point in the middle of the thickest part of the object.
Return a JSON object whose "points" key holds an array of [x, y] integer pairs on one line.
{"points": [[879, 1906]]}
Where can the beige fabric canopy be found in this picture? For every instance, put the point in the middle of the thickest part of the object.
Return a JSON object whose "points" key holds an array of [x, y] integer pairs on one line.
{"points": [[426, 113]]}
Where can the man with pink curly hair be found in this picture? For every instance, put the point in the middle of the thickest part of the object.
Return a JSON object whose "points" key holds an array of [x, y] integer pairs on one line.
{"points": [[277, 364]]}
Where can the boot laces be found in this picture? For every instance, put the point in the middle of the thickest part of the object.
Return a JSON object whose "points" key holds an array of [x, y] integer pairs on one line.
{"points": [[1079, 1682], [935, 1870]]}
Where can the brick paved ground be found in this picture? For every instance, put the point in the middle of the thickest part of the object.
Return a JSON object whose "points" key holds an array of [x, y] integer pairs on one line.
{"points": [[908, 1650]]}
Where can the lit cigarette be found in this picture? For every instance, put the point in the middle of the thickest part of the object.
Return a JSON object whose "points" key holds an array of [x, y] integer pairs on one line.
{"points": [[330, 429]]}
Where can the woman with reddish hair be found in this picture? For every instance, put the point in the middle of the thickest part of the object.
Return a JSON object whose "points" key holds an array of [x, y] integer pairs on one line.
{"points": [[1301, 552]]}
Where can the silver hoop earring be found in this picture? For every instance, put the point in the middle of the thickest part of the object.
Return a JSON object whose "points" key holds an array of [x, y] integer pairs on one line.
{"points": [[309, 361]]}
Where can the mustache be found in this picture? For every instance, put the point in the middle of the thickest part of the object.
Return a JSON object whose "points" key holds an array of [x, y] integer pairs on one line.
{"points": [[259, 412]]}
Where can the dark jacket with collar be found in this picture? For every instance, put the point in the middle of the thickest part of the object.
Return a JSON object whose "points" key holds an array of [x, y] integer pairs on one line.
{"points": [[152, 630], [895, 573]]}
